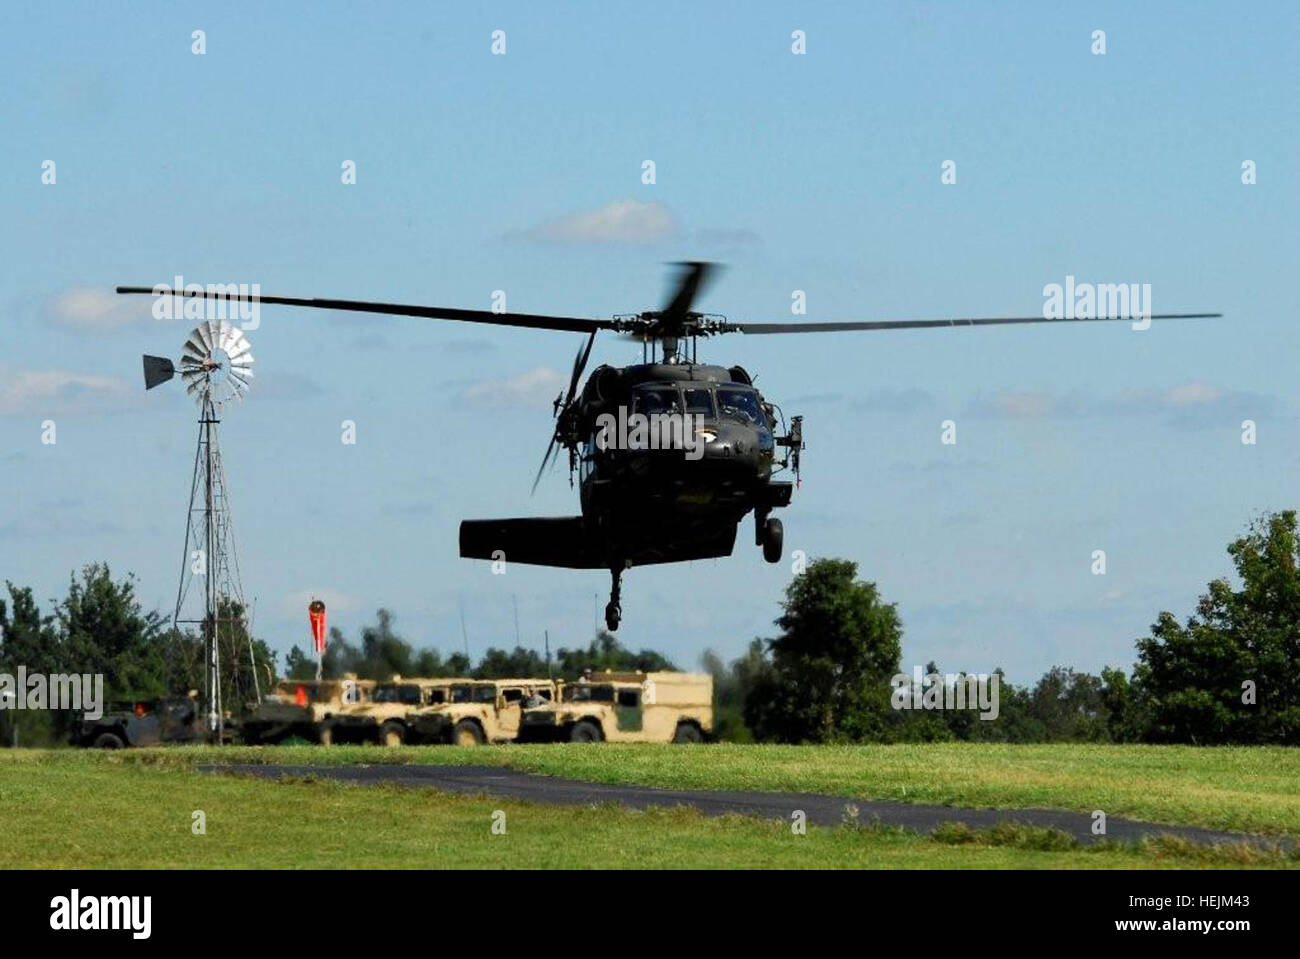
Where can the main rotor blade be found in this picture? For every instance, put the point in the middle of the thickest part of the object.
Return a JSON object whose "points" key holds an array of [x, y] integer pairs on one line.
{"points": [[690, 281], [579, 364], [757, 328], [535, 321]]}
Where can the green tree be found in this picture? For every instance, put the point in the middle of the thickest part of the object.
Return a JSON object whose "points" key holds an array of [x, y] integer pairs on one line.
{"points": [[1194, 678], [832, 663]]}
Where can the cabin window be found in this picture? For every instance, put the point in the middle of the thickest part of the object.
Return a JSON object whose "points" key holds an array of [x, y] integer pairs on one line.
{"points": [[630, 698], [699, 402]]}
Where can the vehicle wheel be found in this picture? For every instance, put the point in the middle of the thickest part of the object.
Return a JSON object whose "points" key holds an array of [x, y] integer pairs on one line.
{"points": [[612, 614], [326, 736], [688, 733], [773, 540], [109, 741], [392, 734], [467, 733], [585, 732]]}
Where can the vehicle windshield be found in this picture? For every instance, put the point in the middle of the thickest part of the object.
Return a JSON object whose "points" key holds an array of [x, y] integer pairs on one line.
{"points": [[699, 402], [657, 400], [741, 404], [587, 693]]}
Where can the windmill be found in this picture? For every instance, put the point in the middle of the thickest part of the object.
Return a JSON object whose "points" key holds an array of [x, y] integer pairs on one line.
{"points": [[216, 369]]}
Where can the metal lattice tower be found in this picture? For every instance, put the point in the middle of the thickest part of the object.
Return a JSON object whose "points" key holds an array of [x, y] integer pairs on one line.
{"points": [[215, 368]]}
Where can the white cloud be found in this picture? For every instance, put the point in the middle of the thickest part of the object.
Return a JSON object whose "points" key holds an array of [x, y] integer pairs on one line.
{"points": [[622, 221], [92, 308], [1191, 394], [536, 387], [51, 392]]}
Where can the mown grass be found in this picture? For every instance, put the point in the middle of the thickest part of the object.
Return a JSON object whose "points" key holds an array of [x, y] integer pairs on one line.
{"points": [[1240, 789], [135, 810]]}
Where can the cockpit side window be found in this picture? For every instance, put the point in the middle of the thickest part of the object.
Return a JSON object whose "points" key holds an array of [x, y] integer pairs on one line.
{"points": [[741, 404]]}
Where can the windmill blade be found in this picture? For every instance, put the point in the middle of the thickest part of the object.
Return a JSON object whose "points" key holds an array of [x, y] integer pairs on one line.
{"points": [[759, 328], [535, 321], [194, 348]]}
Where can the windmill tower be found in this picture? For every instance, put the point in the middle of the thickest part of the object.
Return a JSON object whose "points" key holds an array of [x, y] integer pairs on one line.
{"points": [[215, 367]]}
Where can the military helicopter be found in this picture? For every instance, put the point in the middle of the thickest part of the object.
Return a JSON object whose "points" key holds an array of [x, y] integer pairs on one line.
{"points": [[644, 502]]}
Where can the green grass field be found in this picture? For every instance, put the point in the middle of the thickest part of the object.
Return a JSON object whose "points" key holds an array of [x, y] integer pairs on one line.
{"points": [[134, 808]]}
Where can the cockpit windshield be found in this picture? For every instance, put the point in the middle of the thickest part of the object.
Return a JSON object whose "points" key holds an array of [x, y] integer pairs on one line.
{"points": [[655, 400], [741, 404], [700, 403]]}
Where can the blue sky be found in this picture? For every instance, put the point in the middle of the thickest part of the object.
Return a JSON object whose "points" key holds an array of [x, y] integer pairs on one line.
{"points": [[818, 172]]}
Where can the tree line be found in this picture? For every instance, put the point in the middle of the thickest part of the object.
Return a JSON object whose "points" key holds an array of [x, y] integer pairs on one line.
{"points": [[1229, 673]]}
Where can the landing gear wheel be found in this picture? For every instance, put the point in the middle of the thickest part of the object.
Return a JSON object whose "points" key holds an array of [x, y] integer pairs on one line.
{"points": [[467, 733], [585, 732], [613, 611], [392, 734], [326, 736], [773, 540]]}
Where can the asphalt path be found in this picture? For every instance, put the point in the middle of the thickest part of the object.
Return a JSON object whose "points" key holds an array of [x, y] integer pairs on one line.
{"points": [[820, 809]]}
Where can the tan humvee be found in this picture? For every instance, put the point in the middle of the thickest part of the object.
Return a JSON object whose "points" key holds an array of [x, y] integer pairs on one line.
{"points": [[380, 716], [480, 711], [626, 708], [303, 707]]}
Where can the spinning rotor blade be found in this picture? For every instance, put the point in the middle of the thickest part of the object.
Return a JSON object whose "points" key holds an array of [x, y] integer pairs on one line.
{"points": [[757, 328], [535, 321], [579, 364], [691, 278]]}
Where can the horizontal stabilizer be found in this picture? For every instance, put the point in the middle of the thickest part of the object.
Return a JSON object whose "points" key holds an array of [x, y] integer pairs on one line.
{"points": [[542, 541]]}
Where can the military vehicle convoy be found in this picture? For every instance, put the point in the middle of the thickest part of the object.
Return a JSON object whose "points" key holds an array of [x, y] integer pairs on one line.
{"points": [[305, 708], [383, 715], [479, 711], [657, 707]]}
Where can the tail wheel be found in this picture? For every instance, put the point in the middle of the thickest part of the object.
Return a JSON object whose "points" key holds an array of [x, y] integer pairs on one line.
{"points": [[467, 733], [613, 613], [773, 540], [586, 732], [392, 734], [688, 733]]}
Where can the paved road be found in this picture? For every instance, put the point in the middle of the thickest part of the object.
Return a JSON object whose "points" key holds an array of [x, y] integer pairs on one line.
{"points": [[820, 809]]}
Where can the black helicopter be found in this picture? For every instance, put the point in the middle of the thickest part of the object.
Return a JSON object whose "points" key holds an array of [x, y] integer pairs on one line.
{"points": [[645, 502]]}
